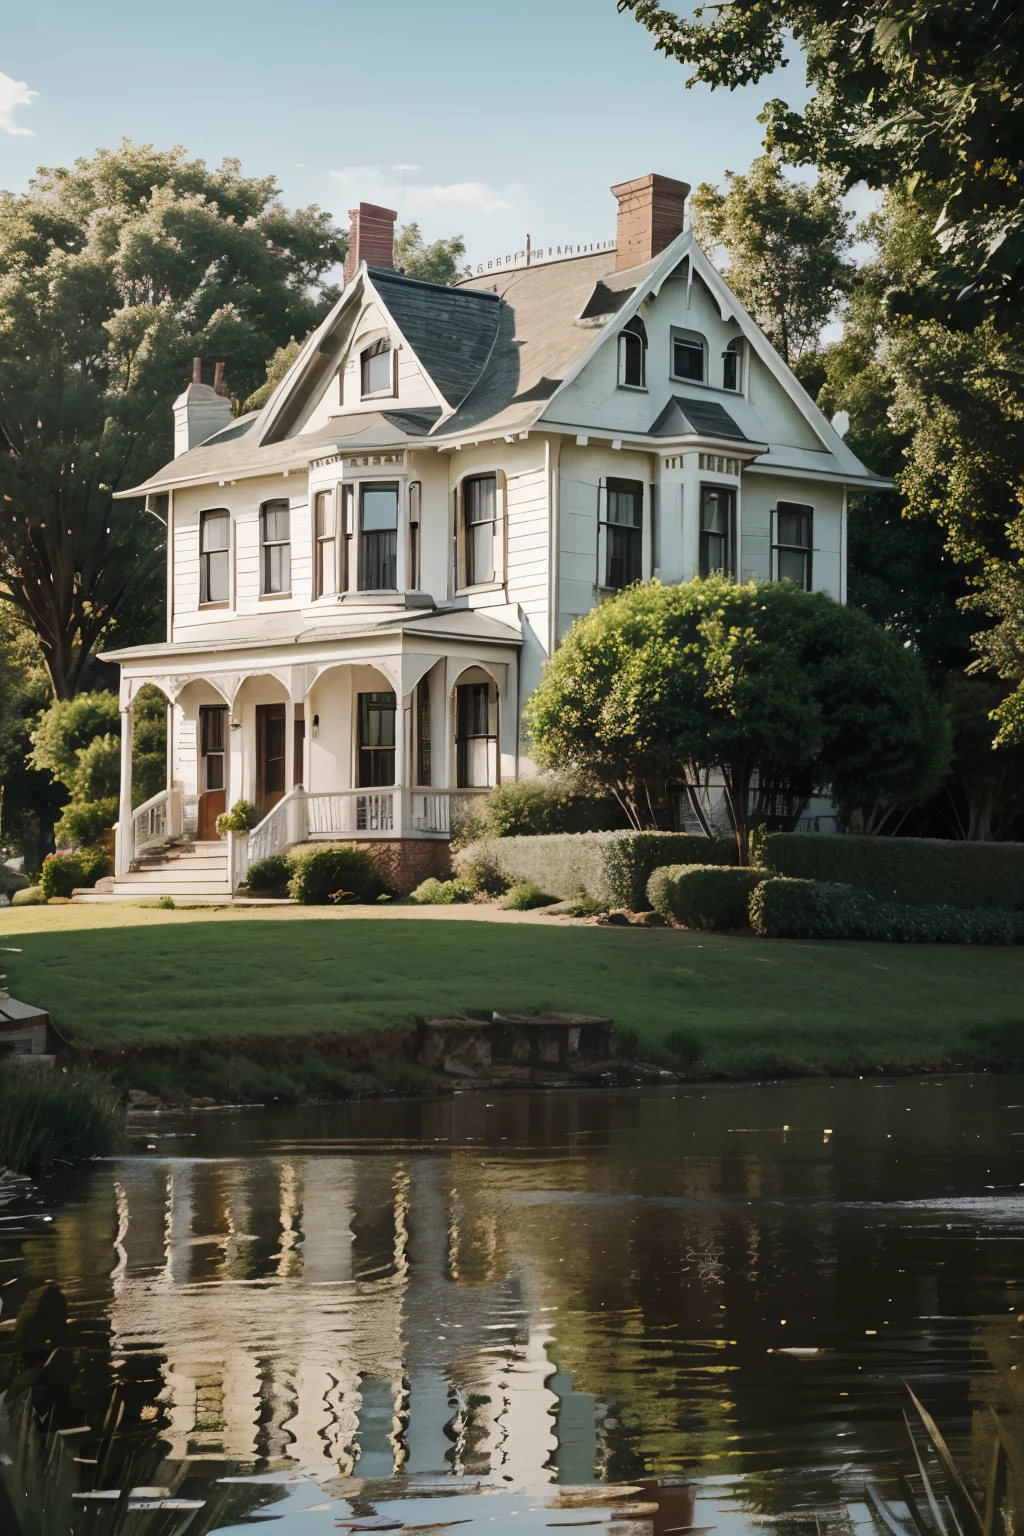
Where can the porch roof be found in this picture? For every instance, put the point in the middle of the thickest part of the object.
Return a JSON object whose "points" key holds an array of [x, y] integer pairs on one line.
{"points": [[445, 624]]}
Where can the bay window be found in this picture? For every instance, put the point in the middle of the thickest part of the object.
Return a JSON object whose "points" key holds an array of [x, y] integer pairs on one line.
{"points": [[717, 529], [378, 537], [325, 544]]}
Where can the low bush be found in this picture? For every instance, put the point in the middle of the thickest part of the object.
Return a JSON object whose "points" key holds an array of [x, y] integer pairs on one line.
{"points": [[270, 876], [442, 893], [919, 871], [85, 823], [703, 895], [30, 896], [47, 1118], [324, 872], [62, 873], [783, 908], [523, 898], [476, 865], [610, 867], [547, 803], [241, 818]]}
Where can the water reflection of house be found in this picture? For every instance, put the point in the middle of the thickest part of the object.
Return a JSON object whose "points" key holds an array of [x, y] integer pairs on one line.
{"points": [[296, 1308]]}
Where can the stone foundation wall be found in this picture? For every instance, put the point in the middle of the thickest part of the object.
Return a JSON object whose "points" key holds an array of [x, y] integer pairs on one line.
{"points": [[407, 861]]}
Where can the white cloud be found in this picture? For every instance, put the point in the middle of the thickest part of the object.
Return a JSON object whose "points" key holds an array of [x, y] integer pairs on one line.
{"points": [[13, 94], [464, 194], [378, 182]]}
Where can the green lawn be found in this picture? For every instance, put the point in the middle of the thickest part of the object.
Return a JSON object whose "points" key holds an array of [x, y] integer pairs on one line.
{"points": [[122, 977]]}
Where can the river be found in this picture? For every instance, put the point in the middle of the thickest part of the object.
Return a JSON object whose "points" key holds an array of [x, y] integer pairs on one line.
{"points": [[456, 1309]]}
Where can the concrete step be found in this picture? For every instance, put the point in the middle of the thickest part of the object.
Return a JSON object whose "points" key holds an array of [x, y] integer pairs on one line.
{"points": [[183, 877], [187, 861]]}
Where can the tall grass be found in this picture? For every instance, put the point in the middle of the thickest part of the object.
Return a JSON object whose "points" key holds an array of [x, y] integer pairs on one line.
{"points": [[49, 1118]]}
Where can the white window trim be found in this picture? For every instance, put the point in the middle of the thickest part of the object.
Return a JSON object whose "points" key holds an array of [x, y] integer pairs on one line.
{"points": [[498, 582], [620, 383], [684, 333]]}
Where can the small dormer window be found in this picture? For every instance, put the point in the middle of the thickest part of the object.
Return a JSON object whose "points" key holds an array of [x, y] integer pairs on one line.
{"points": [[377, 365], [688, 356], [633, 355], [732, 365]]}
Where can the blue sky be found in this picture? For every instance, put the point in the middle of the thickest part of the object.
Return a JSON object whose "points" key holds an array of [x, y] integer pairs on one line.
{"points": [[481, 119]]}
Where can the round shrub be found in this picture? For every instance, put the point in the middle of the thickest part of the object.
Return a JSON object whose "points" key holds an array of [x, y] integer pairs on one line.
{"points": [[442, 893], [704, 896], [327, 873], [270, 876], [63, 873], [31, 896], [83, 823], [478, 867], [523, 898]]}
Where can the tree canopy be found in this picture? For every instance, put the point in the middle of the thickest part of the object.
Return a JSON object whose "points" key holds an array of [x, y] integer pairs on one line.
{"points": [[760, 681], [434, 263], [113, 275], [786, 246], [903, 90]]}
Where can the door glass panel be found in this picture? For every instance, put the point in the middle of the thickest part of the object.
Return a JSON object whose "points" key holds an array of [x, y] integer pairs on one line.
{"points": [[376, 739]]}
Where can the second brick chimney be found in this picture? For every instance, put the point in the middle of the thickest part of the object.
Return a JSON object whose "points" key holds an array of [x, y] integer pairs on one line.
{"points": [[650, 218], [371, 238]]}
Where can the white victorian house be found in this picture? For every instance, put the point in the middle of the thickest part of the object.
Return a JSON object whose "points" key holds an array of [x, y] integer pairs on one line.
{"points": [[365, 577]]}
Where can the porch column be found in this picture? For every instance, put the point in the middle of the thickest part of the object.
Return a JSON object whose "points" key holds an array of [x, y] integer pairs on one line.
{"points": [[402, 717], [235, 790], [124, 849], [289, 745]]}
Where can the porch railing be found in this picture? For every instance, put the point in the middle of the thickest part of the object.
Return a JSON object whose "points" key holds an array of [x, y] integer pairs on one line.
{"points": [[284, 824], [157, 820], [350, 813]]}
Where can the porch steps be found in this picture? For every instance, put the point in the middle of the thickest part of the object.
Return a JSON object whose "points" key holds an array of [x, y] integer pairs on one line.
{"points": [[193, 870]]}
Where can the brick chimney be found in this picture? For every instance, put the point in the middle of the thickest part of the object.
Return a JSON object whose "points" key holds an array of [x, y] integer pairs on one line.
{"points": [[371, 238], [650, 218], [203, 409]]}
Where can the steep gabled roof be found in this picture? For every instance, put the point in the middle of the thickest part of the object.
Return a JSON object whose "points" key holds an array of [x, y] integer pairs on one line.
{"points": [[500, 351]]}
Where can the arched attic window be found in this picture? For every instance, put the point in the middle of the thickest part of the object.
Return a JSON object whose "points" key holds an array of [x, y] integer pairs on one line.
{"points": [[732, 365], [633, 354]]}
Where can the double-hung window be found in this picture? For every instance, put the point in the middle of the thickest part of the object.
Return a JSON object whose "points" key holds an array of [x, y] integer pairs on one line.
{"points": [[476, 735], [325, 542], [214, 545], [275, 548], [623, 530], [688, 356], [792, 526], [211, 742], [377, 369], [480, 514], [378, 537], [717, 529]]}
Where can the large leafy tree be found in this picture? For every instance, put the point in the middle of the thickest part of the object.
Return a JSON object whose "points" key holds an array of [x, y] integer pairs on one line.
{"points": [[438, 262], [902, 90], [761, 681], [785, 246], [113, 275]]}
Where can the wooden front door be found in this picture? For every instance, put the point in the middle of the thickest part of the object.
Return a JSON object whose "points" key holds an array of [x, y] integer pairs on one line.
{"points": [[212, 780], [270, 760]]}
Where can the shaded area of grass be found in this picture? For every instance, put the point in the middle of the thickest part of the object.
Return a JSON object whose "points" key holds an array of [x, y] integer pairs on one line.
{"points": [[740, 1005], [48, 1118]]}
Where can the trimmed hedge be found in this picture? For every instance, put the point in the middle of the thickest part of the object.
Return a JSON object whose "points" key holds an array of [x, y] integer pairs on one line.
{"points": [[324, 873], [610, 867], [704, 895], [920, 871], [442, 893], [783, 908], [270, 876]]}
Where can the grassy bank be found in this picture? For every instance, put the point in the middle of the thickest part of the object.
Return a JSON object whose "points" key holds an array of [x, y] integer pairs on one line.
{"points": [[124, 979]]}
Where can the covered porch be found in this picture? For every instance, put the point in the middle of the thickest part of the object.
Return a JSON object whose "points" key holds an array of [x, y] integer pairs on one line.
{"points": [[387, 743]]}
